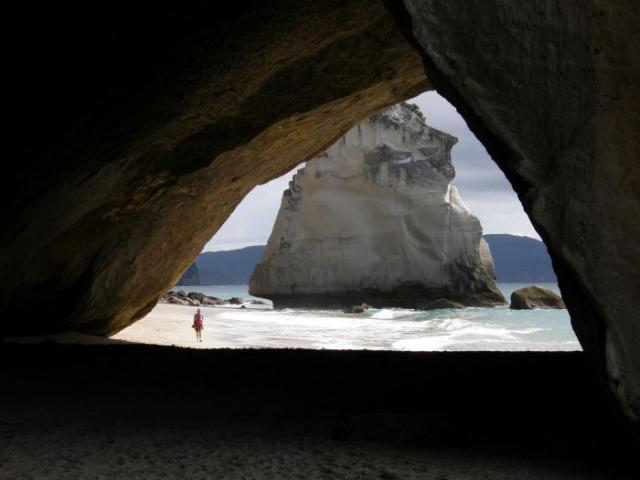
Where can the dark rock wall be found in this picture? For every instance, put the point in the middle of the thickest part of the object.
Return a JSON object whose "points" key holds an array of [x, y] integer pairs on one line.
{"points": [[553, 91], [139, 132]]}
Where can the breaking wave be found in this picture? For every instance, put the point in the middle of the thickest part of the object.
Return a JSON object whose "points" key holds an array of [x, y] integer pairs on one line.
{"points": [[394, 329]]}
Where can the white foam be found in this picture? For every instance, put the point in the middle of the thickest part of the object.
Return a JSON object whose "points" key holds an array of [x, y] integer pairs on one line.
{"points": [[432, 343], [452, 324], [389, 329], [385, 314]]}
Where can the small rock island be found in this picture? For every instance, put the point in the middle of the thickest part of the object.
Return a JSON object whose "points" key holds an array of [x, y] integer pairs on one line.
{"points": [[535, 297], [374, 219]]}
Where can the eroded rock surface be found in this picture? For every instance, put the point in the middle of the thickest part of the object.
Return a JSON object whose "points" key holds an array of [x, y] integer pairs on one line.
{"points": [[535, 297], [375, 219], [553, 91], [138, 133]]}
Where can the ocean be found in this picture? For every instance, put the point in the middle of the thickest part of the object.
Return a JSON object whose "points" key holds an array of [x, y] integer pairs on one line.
{"points": [[495, 329]]}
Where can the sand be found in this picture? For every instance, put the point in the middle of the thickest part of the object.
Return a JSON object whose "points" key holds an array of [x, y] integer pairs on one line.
{"points": [[171, 325], [84, 407], [116, 449], [166, 324], [146, 412]]}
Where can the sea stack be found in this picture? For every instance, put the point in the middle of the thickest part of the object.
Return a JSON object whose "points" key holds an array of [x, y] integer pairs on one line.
{"points": [[374, 219]]}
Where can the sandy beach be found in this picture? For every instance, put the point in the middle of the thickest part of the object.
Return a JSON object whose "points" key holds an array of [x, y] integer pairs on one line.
{"points": [[258, 326], [171, 325], [135, 406]]}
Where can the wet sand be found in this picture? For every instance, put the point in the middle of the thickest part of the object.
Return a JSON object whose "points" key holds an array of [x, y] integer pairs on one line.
{"points": [[136, 411]]}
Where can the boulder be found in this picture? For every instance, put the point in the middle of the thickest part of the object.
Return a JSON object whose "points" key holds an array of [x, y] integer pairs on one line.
{"points": [[192, 302], [177, 301], [210, 301], [171, 297], [235, 301], [195, 299], [375, 218], [535, 297], [358, 308]]}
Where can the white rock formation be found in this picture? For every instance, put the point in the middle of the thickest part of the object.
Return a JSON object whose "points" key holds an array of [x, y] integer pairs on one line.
{"points": [[373, 219]]}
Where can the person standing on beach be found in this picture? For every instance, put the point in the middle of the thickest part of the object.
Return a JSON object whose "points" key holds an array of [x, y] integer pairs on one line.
{"points": [[198, 325]]}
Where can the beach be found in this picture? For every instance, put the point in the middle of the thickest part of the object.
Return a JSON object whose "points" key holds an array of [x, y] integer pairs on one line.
{"points": [[256, 325], [248, 403], [171, 325]]}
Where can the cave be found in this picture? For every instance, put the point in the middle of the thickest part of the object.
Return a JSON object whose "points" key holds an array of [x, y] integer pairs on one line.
{"points": [[137, 132]]}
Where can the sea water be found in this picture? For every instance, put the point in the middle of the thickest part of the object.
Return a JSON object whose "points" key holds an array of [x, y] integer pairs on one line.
{"points": [[497, 328]]}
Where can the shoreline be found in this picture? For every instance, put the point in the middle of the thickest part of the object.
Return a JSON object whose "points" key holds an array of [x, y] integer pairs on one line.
{"points": [[469, 329], [258, 326]]}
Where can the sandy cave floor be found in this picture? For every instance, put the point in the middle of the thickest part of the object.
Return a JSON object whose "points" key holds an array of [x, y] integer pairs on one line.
{"points": [[146, 412], [117, 448]]}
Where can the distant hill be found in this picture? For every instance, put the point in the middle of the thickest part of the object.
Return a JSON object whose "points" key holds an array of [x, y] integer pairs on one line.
{"points": [[520, 259], [230, 267], [517, 259], [191, 276]]}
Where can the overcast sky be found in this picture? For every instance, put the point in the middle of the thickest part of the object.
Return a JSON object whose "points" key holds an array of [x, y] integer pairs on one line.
{"points": [[482, 185]]}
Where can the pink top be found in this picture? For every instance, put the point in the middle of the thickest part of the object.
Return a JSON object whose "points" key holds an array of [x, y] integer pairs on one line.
{"points": [[197, 321]]}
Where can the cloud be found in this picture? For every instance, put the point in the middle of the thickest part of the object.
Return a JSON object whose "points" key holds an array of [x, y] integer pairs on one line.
{"points": [[482, 185], [252, 220]]}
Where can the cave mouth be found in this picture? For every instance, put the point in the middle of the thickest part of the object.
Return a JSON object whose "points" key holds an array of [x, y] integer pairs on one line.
{"points": [[539, 86], [223, 269]]}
